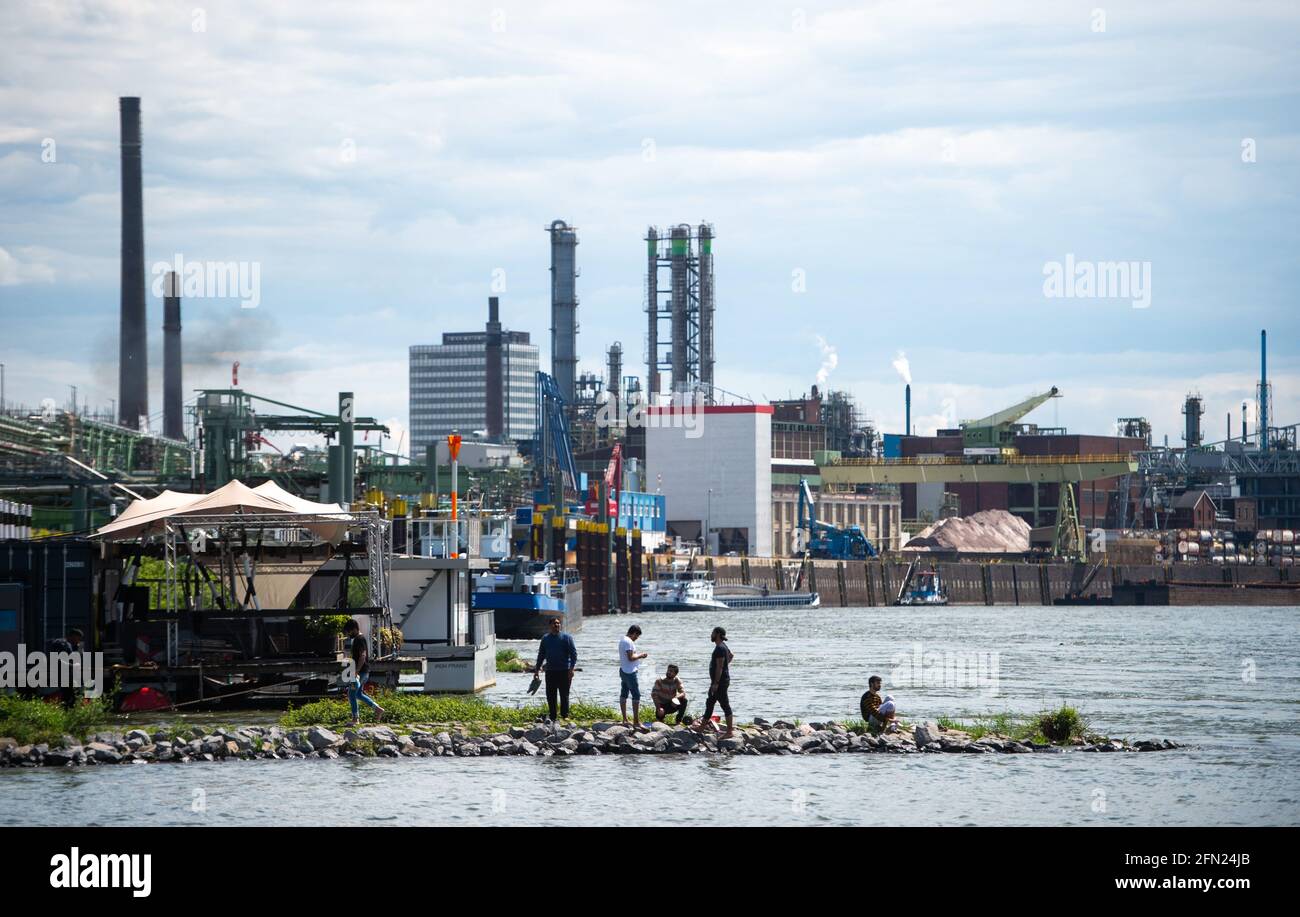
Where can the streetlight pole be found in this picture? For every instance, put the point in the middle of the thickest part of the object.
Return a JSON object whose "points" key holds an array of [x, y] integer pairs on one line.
{"points": [[708, 520]]}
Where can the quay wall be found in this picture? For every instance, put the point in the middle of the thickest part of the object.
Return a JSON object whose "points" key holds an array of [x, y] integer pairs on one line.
{"points": [[876, 582]]}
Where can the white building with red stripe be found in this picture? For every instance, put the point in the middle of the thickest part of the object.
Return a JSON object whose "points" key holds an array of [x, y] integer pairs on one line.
{"points": [[713, 464]]}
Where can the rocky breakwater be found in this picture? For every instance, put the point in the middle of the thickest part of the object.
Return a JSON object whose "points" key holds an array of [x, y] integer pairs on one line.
{"points": [[781, 737]]}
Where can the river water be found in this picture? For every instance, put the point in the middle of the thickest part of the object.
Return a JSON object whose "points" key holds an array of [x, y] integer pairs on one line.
{"points": [[1224, 681]]}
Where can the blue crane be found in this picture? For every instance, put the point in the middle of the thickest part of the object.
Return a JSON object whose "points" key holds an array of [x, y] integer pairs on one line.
{"points": [[823, 540], [554, 449]]}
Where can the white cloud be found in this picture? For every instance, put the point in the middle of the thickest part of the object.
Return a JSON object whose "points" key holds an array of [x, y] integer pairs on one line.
{"points": [[22, 267]]}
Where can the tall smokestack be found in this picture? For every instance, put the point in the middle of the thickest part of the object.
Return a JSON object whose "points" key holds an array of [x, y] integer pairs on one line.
{"points": [[133, 358], [907, 410], [679, 272], [706, 310], [173, 421], [494, 405], [652, 309], [564, 308], [1263, 390], [1245, 432]]}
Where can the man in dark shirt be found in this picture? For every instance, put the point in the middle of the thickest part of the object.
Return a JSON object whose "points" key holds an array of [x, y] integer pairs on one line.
{"points": [[557, 656], [358, 647], [69, 644], [870, 706], [719, 682]]}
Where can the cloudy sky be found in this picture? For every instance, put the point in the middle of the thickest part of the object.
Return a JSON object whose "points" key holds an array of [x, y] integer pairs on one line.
{"points": [[883, 177]]}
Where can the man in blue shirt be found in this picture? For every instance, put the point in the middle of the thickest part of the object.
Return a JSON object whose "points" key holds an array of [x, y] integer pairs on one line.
{"points": [[557, 656]]}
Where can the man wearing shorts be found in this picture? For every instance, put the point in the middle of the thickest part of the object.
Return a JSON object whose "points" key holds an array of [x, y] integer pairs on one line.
{"points": [[629, 661]]}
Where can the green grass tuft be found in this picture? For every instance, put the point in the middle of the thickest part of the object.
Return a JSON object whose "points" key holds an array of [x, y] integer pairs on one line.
{"points": [[31, 722], [441, 709], [1060, 726], [509, 661]]}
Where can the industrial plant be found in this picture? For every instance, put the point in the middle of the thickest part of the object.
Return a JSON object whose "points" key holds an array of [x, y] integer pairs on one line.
{"points": [[203, 557]]}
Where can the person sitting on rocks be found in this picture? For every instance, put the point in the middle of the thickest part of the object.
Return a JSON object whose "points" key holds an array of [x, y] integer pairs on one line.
{"points": [[888, 714], [876, 718], [669, 696]]}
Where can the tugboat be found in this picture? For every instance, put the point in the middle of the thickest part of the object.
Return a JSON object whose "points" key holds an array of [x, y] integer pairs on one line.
{"points": [[680, 590], [923, 588], [525, 594]]}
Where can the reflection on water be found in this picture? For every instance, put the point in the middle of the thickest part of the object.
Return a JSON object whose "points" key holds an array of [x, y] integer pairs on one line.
{"points": [[1223, 679]]}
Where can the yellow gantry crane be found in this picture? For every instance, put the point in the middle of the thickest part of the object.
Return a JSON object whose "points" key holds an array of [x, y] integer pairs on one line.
{"points": [[996, 462]]}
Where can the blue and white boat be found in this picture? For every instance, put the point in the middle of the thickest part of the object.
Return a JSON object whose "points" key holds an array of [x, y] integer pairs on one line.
{"points": [[525, 594], [924, 587]]}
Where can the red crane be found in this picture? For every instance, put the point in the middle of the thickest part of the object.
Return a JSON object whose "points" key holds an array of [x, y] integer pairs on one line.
{"points": [[613, 486]]}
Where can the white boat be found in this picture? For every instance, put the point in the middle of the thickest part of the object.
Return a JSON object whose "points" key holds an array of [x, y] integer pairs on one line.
{"points": [[680, 590], [761, 598]]}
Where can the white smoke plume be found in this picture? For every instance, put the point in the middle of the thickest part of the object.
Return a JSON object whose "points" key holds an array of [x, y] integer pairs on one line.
{"points": [[830, 360], [903, 367]]}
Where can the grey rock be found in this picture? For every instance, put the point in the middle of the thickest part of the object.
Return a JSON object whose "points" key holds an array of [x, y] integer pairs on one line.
{"points": [[319, 737], [102, 751], [926, 733]]}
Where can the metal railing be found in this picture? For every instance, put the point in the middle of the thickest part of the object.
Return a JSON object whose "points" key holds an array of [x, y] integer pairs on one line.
{"points": [[1111, 458]]}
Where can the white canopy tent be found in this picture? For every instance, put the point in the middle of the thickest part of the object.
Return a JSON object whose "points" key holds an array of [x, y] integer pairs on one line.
{"points": [[146, 517]]}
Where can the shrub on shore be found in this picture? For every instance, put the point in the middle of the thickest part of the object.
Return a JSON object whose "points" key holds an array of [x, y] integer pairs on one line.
{"points": [[33, 721], [434, 708], [1060, 726], [509, 661]]}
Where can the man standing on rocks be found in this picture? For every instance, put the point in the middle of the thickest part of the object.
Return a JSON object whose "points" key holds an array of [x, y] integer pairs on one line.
{"points": [[719, 682], [66, 645], [629, 661], [557, 656], [359, 649]]}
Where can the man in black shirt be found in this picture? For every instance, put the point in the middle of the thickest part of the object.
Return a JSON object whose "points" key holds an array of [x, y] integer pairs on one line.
{"points": [[359, 649], [719, 681], [69, 644]]}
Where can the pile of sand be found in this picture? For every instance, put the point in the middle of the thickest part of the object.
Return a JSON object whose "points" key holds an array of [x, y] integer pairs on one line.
{"points": [[989, 532]]}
